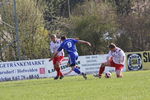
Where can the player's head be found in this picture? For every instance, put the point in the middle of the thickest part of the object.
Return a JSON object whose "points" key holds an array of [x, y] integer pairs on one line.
{"points": [[53, 37], [63, 38], [112, 47]]}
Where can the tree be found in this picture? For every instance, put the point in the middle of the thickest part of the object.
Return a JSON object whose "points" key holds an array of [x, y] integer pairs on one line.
{"points": [[135, 27], [33, 36], [92, 22], [55, 10], [124, 7]]}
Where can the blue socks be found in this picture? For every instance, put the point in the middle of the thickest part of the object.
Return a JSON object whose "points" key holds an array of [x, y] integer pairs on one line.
{"points": [[76, 70]]}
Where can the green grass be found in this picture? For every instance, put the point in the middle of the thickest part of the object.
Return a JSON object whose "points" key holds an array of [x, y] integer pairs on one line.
{"points": [[134, 86]]}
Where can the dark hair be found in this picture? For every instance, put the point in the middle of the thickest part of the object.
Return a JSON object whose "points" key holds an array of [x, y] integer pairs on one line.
{"points": [[112, 46], [63, 38]]}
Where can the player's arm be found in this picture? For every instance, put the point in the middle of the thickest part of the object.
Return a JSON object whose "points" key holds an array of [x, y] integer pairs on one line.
{"points": [[109, 56], [122, 57], [74, 38], [51, 48], [68, 72], [55, 53], [84, 42]]}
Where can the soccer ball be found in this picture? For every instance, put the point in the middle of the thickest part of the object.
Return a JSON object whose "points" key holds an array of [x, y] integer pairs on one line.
{"points": [[107, 75]]}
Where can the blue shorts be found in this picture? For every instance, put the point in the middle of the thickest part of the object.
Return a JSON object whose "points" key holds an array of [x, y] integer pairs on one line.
{"points": [[73, 58]]}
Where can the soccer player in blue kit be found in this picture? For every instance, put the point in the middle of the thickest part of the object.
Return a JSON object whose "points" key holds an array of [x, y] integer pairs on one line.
{"points": [[70, 46]]}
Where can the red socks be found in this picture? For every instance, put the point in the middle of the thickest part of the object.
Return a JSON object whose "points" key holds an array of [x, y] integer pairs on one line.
{"points": [[101, 70], [59, 73]]}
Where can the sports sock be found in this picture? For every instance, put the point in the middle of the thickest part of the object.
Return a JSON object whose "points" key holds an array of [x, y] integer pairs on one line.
{"points": [[57, 70], [60, 73], [101, 70], [76, 70]]}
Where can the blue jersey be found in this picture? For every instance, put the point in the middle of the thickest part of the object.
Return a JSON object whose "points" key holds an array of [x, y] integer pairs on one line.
{"points": [[69, 45]]}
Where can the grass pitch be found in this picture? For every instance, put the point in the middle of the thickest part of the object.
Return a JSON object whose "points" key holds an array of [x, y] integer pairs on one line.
{"points": [[134, 86]]}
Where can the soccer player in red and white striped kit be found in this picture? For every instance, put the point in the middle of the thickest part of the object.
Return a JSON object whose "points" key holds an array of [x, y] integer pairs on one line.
{"points": [[54, 45], [116, 59]]}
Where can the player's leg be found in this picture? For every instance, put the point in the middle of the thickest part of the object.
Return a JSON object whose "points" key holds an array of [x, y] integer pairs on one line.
{"points": [[56, 69], [70, 70], [59, 66], [101, 69], [72, 61], [57, 76], [77, 70], [57, 62], [119, 74], [119, 69], [59, 73]]}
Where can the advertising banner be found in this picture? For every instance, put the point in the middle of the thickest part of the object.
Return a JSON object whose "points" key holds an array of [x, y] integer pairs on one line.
{"points": [[138, 60], [19, 70], [64, 68], [42, 68], [89, 64]]}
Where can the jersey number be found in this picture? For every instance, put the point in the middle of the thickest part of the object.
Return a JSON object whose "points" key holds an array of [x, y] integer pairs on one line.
{"points": [[69, 44]]}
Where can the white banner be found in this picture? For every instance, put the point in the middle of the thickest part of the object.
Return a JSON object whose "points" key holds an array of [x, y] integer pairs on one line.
{"points": [[41, 68], [91, 64], [19, 70]]}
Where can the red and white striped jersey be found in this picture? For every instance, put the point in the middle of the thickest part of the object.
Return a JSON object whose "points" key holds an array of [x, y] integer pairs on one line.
{"points": [[54, 47], [117, 56]]}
